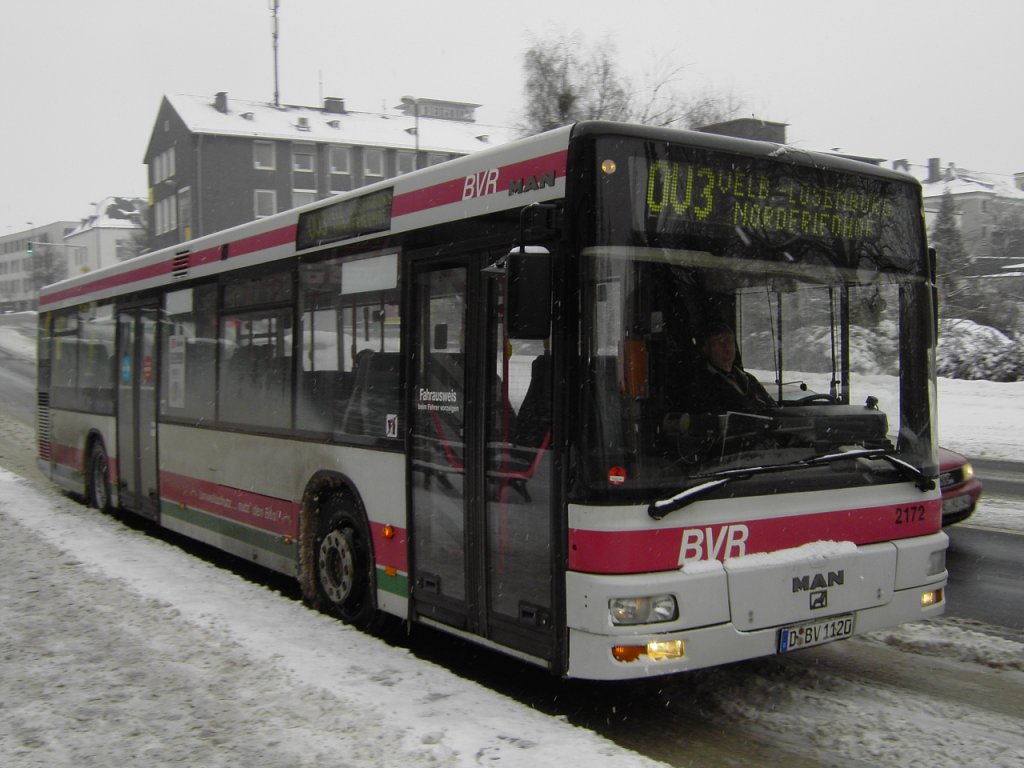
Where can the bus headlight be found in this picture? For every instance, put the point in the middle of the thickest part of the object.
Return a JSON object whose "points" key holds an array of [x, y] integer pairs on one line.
{"points": [[643, 610], [937, 562]]}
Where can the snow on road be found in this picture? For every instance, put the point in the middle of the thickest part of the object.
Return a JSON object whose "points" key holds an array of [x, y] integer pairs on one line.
{"points": [[119, 649]]}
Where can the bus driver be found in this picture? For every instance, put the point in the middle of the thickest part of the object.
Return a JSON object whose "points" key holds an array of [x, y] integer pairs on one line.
{"points": [[723, 385]]}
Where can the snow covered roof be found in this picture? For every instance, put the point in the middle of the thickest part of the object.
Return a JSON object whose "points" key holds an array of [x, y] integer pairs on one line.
{"points": [[114, 213], [335, 125], [960, 181]]}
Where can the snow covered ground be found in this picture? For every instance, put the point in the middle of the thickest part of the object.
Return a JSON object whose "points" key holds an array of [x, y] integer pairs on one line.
{"points": [[119, 649], [122, 650]]}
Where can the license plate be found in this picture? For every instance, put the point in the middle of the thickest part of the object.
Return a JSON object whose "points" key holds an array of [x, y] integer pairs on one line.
{"points": [[815, 633], [956, 504]]}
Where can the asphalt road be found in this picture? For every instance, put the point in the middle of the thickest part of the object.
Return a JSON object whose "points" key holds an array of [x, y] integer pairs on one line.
{"points": [[986, 567], [1000, 478], [986, 576]]}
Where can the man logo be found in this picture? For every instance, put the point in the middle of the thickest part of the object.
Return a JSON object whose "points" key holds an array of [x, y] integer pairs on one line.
{"points": [[818, 581], [819, 600]]}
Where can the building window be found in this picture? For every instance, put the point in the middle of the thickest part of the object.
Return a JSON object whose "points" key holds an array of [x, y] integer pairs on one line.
{"points": [[264, 202], [341, 160], [302, 197], [166, 217], [123, 249], [435, 158], [263, 155], [163, 165], [373, 163], [185, 213], [303, 160], [406, 162]]}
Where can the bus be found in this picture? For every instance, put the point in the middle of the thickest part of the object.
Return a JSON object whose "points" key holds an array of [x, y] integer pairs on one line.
{"points": [[470, 397]]}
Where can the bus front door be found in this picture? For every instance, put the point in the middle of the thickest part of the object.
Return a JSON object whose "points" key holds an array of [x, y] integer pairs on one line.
{"points": [[480, 463], [137, 410]]}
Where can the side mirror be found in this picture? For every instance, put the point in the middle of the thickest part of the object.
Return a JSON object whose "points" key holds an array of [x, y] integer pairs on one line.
{"points": [[528, 292]]}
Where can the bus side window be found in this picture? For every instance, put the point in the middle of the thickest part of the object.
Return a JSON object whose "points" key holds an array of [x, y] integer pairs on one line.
{"points": [[348, 314]]}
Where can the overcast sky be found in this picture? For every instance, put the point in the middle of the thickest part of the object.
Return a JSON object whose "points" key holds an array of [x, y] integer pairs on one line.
{"points": [[82, 81]]}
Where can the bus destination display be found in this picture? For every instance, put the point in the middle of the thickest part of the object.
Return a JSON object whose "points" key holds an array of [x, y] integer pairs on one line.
{"points": [[760, 197], [347, 218]]}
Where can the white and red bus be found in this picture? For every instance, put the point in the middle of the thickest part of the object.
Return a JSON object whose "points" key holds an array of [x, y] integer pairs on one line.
{"points": [[469, 397]]}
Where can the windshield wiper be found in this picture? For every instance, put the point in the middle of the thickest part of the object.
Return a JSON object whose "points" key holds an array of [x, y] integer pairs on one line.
{"points": [[662, 507], [906, 470]]}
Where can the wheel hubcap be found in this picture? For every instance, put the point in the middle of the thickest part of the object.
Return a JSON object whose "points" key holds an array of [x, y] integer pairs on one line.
{"points": [[337, 566]]}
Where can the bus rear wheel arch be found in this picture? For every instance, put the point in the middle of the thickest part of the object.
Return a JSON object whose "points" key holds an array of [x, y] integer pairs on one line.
{"points": [[343, 562]]}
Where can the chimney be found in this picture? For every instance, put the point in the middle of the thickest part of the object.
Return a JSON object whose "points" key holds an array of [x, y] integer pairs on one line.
{"points": [[934, 170], [334, 104], [220, 102]]}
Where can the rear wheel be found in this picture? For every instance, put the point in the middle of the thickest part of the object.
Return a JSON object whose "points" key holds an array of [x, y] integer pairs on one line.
{"points": [[344, 563], [99, 477]]}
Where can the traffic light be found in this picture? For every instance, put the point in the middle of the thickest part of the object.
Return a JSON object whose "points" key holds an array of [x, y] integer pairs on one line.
{"points": [[29, 249]]}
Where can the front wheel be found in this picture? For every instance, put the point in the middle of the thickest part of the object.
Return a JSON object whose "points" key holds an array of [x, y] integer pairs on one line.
{"points": [[99, 478], [344, 563]]}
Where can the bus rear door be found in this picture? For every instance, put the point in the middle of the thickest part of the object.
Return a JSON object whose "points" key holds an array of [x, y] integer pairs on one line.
{"points": [[137, 410]]}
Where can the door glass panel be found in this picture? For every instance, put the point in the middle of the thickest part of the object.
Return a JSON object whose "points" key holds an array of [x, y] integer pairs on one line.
{"points": [[518, 472], [438, 435], [126, 431], [146, 438]]}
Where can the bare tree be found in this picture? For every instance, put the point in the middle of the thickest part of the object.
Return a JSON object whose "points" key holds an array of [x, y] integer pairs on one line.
{"points": [[567, 80], [49, 264]]}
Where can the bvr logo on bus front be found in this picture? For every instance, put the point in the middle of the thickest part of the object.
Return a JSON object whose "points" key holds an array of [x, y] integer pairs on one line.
{"points": [[713, 543]]}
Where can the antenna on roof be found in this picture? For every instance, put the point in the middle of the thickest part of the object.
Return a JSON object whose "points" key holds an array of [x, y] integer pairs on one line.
{"points": [[274, 5]]}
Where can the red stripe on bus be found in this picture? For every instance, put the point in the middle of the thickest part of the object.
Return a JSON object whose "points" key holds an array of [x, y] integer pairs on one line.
{"points": [[267, 513], [275, 237], [205, 256], [477, 185], [66, 455], [253, 244], [71, 457], [393, 551], [663, 549], [111, 281]]}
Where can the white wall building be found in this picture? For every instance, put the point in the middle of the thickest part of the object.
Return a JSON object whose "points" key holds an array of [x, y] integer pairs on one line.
{"points": [[27, 258], [107, 236]]}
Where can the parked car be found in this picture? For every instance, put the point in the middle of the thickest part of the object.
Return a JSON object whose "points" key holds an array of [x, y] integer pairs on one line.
{"points": [[960, 488]]}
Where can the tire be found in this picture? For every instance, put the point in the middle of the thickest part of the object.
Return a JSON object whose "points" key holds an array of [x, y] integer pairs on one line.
{"points": [[99, 478], [345, 581]]}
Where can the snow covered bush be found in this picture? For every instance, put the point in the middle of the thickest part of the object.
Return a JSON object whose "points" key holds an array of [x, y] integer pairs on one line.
{"points": [[968, 350]]}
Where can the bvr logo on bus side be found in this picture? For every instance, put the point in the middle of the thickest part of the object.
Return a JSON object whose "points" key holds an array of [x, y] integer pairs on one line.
{"points": [[480, 184], [713, 543]]}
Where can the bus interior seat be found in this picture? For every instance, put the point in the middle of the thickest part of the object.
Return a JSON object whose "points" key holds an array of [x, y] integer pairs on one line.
{"points": [[375, 394]]}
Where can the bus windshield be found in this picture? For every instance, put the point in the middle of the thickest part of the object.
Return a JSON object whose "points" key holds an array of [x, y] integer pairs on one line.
{"points": [[747, 312]]}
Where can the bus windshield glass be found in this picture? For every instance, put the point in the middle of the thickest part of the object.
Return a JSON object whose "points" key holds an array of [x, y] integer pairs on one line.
{"points": [[752, 311]]}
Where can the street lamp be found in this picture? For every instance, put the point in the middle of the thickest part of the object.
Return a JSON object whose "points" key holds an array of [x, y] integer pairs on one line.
{"points": [[415, 102]]}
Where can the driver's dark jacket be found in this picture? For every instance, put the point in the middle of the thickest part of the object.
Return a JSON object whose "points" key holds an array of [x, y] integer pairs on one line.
{"points": [[738, 391]]}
